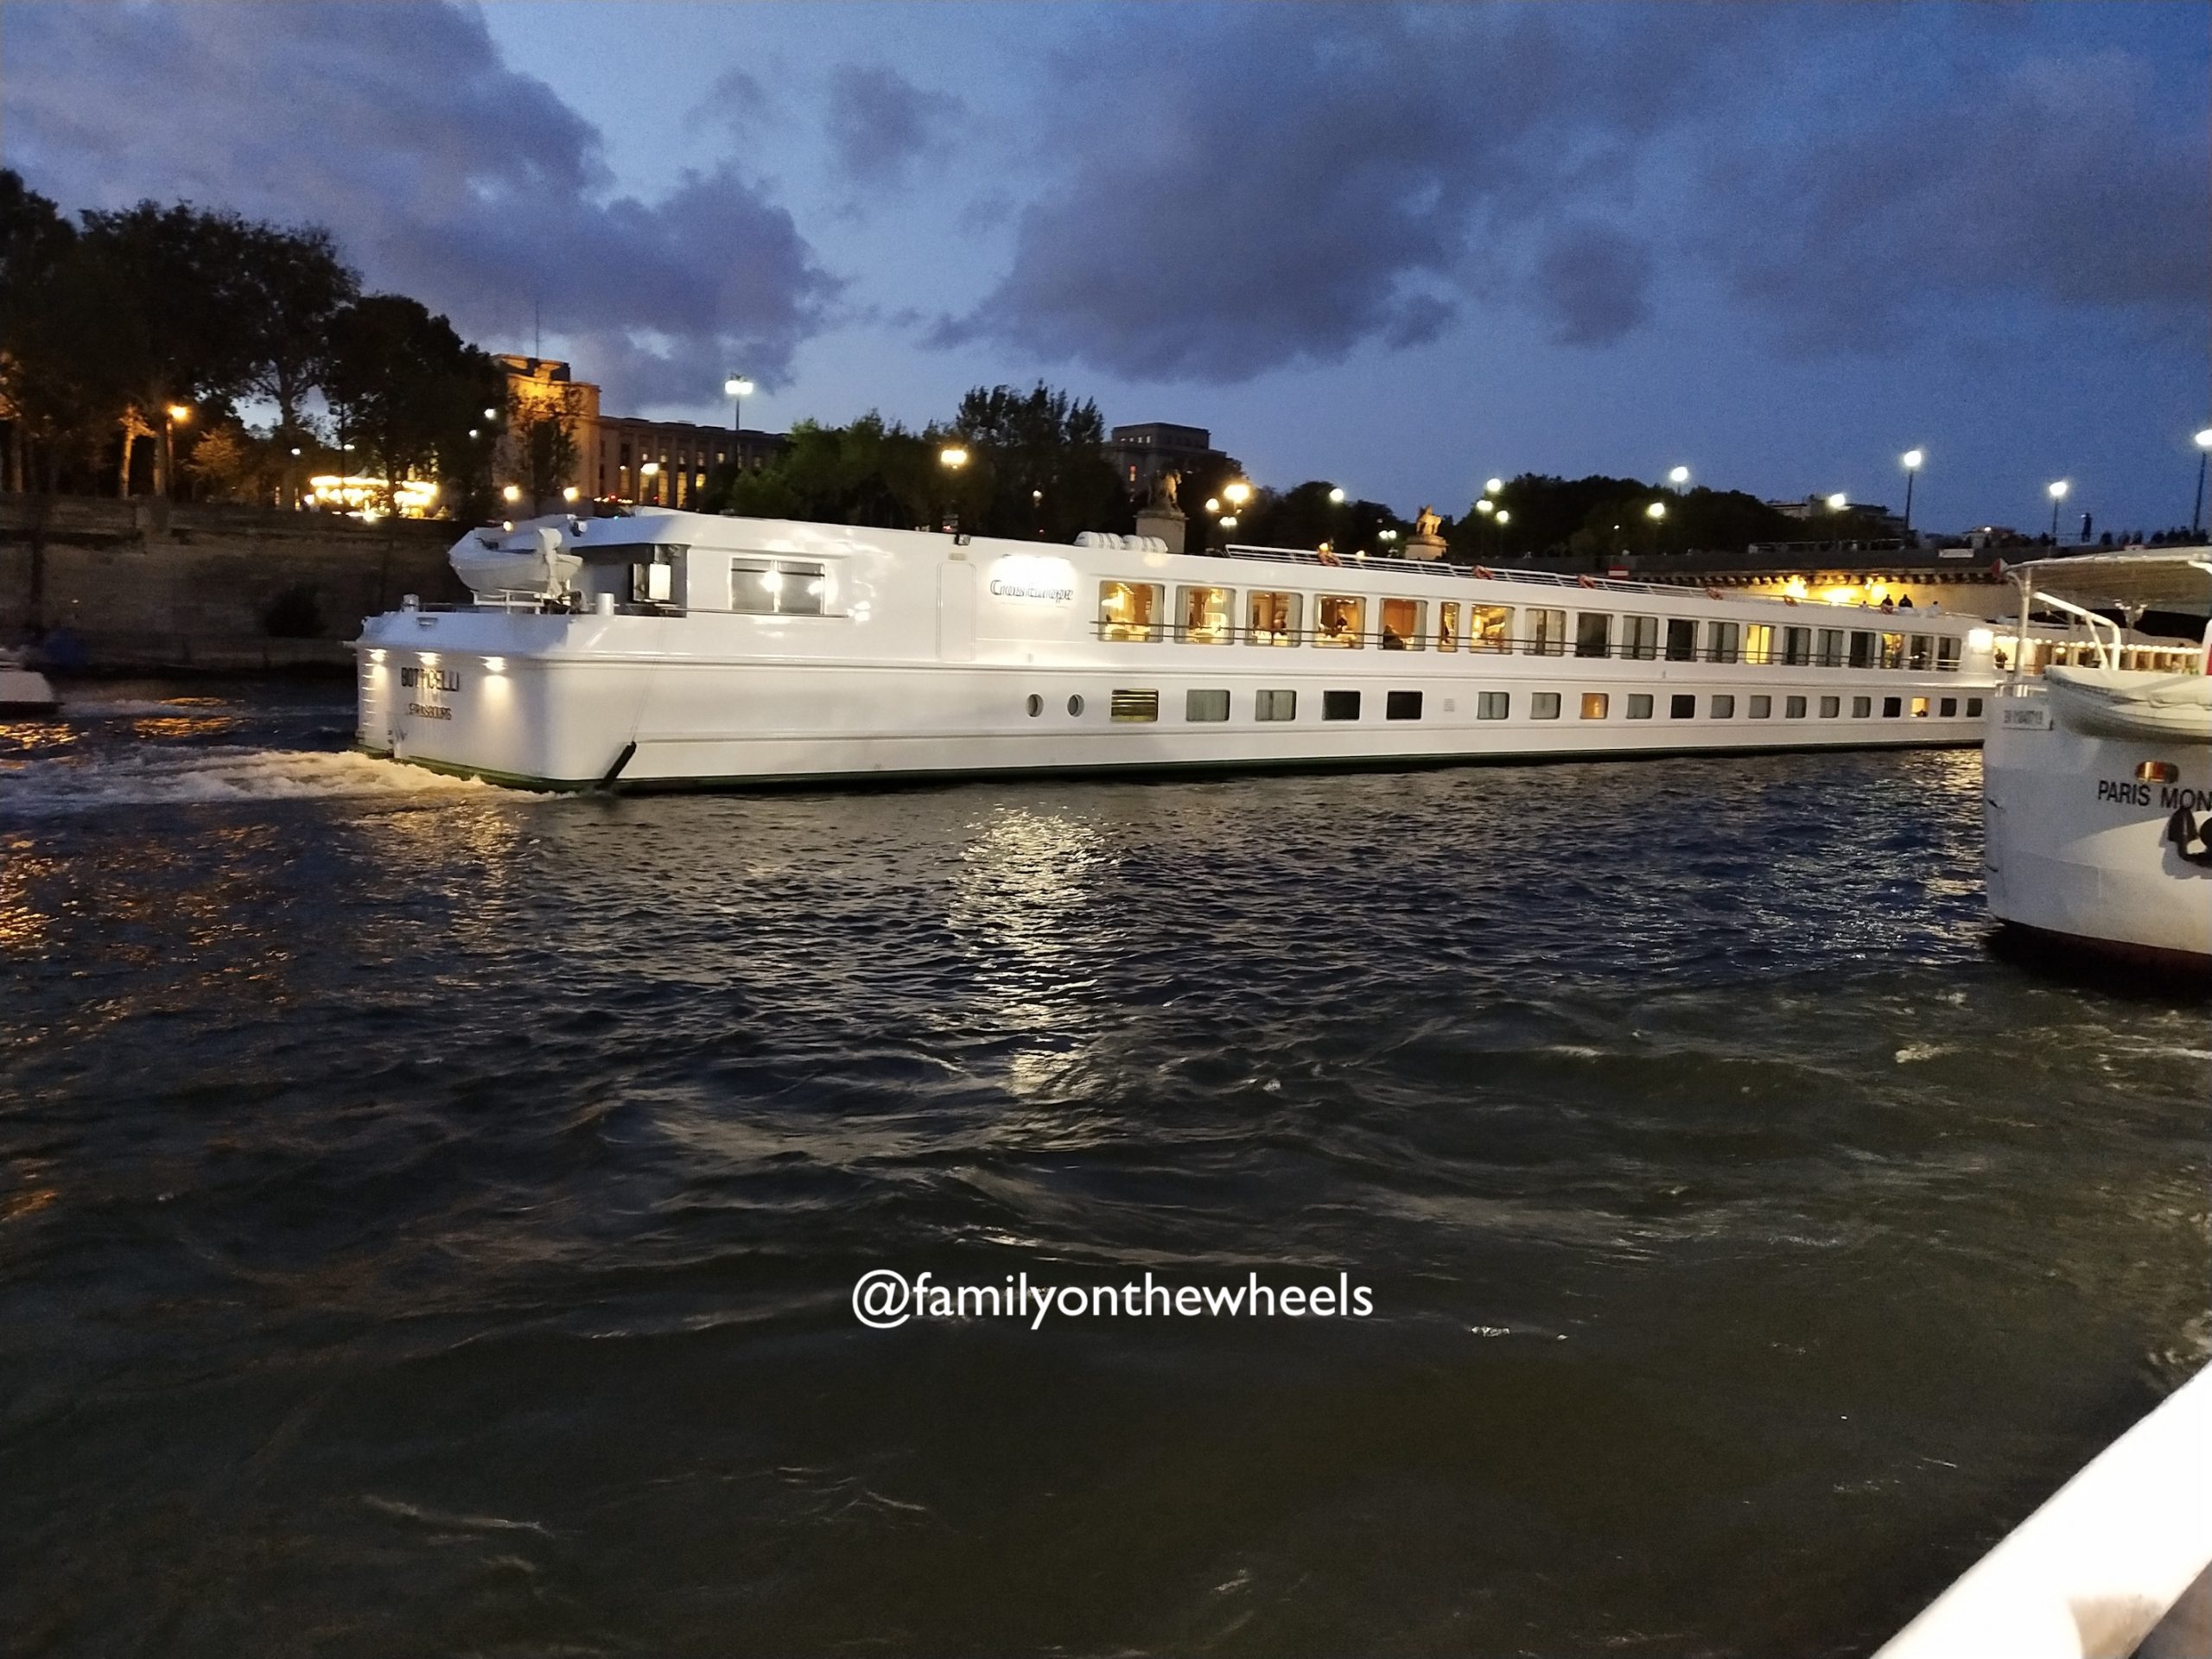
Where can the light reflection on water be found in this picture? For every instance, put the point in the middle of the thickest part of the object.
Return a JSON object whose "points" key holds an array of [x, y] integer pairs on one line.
{"points": [[425, 1212]]}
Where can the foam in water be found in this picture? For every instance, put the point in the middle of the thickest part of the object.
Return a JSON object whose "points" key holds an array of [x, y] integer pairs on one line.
{"points": [[173, 778]]}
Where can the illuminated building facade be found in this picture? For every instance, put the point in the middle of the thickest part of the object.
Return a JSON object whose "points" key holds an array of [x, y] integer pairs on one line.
{"points": [[615, 457]]}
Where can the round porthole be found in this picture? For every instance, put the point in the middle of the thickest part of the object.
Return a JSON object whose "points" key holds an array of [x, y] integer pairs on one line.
{"points": [[1075, 705], [1036, 705]]}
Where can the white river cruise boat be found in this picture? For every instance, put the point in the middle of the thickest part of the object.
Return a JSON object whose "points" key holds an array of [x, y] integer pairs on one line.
{"points": [[2098, 771], [676, 649]]}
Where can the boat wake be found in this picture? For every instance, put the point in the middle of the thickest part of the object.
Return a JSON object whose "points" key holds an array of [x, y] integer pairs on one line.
{"points": [[45, 786]]}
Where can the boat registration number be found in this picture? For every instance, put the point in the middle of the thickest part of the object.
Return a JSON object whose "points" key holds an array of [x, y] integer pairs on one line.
{"points": [[2034, 718]]}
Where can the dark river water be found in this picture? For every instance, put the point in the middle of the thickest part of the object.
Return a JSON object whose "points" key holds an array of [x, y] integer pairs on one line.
{"points": [[430, 1215]]}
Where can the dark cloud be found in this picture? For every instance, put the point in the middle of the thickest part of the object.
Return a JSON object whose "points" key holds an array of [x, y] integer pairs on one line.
{"points": [[1240, 192], [445, 175], [1592, 281], [2058, 185], [1286, 185], [881, 125]]}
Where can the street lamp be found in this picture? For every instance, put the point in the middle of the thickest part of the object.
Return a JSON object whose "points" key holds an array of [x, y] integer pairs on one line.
{"points": [[1837, 502], [2203, 452], [1485, 506], [511, 494], [173, 416], [569, 494], [1679, 477], [1336, 496], [1911, 459], [1656, 510], [1229, 521], [1492, 486], [2058, 488], [1237, 494], [649, 470], [737, 389]]}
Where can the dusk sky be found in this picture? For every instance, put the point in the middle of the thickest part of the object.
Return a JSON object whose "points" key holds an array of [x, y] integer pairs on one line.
{"points": [[1401, 250]]}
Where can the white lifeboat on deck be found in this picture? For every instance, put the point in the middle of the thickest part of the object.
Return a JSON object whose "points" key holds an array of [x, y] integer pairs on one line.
{"points": [[524, 565]]}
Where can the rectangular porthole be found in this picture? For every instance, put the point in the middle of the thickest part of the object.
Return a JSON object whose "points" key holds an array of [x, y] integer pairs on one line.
{"points": [[1275, 705], [1681, 706], [1639, 705], [1724, 707], [1793, 708], [1762, 708], [1948, 709], [1340, 705], [1137, 705], [1543, 705], [1402, 705], [1920, 708], [1973, 708], [1493, 705], [1893, 707], [1205, 705], [1594, 704], [1831, 707]]}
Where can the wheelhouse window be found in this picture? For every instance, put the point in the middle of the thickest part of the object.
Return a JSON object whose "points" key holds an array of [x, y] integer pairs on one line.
{"points": [[1205, 705], [1490, 628], [1447, 626], [1640, 638], [1339, 620], [1832, 647], [1275, 705], [1547, 632], [1681, 639], [1594, 704], [1593, 634], [777, 586], [1130, 610], [1135, 706], [1272, 618], [1340, 705], [1724, 641], [1206, 616], [1404, 623]]}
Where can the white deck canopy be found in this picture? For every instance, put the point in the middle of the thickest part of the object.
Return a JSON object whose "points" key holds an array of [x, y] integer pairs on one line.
{"points": [[2165, 578]]}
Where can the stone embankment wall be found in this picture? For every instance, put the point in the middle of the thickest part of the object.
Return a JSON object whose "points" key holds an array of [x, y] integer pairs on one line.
{"points": [[141, 586]]}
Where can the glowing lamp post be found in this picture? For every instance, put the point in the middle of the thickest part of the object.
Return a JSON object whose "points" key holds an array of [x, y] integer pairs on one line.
{"points": [[2056, 489], [737, 389], [1910, 460], [1679, 477], [951, 458], [172, 417], [1837, 502], [1656, 512], [649, 475], [2203, 452]]}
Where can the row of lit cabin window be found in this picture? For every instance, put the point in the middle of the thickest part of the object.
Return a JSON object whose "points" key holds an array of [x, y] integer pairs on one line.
{"points": [[1204, 706], [1137, 611]]}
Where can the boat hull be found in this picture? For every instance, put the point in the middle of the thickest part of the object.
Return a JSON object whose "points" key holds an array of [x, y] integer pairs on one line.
{"points": [[2079, 848]]}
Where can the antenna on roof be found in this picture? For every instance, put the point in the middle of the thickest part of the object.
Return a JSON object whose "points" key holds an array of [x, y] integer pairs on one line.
{"points": [[536, 326]]}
